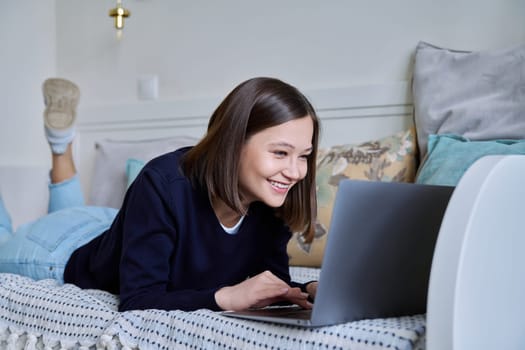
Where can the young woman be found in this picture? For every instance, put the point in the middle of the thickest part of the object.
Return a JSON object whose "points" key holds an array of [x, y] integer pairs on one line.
{"points": [[201, 227]]}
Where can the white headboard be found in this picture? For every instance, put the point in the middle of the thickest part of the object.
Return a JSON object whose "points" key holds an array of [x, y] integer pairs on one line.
{"points": [[348, 115]]}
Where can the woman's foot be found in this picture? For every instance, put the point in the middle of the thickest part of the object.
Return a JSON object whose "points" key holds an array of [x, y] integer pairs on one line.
{"points": [[61, 98]]}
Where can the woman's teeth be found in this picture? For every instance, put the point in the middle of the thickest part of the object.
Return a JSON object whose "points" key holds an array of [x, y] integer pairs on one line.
{"points": [[279, 185]]}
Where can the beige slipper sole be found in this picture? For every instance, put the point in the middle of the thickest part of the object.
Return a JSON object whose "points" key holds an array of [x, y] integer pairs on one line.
{"points": [[61, 99]]}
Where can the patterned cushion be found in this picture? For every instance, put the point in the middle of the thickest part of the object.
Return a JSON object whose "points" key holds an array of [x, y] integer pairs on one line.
{"points": [[392, 158]]}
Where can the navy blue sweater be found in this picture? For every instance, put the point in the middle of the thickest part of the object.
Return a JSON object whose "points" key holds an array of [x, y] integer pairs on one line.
{"points": [[166, 248]]}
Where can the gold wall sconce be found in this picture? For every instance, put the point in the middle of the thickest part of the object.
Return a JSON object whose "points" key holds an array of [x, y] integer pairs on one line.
{"points": [[119, 13]]}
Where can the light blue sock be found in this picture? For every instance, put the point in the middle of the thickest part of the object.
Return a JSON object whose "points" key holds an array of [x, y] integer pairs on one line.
{"points": [[59, 139]]}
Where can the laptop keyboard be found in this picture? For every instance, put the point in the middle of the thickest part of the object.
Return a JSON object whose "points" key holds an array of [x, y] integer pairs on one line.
{"points": [[288, 312]]}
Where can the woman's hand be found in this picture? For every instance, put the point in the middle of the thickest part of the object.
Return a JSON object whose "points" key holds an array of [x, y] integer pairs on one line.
{"points": [[259, 291], [311, 289]]}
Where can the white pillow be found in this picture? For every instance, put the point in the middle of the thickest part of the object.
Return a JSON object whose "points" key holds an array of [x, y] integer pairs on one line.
{"points": [[109, 182], [479, 95]]}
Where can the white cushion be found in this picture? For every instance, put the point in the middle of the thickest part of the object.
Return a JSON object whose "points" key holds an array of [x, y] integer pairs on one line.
{"points": [[479, 95], [109, 181]]}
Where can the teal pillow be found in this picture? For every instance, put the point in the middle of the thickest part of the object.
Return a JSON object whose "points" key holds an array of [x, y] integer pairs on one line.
{"points": [[133, 168], [449, 156]]}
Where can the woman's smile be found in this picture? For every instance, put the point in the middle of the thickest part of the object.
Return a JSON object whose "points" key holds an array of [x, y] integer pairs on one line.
{"points": [[278, 157], [280, 187]]}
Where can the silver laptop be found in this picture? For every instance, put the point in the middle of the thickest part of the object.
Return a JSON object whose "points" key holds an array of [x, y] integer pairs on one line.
{"points": [[377, 257]]}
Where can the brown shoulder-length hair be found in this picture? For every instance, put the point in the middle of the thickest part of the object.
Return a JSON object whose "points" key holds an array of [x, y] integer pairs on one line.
{"points": [[251, 107]]}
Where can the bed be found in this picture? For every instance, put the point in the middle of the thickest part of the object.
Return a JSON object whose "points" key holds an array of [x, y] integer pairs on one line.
{"points": [[119, 134], [371, 132]]}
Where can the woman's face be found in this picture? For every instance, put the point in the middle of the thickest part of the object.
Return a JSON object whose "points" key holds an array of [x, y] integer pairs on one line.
{"points": [[273, 160]]}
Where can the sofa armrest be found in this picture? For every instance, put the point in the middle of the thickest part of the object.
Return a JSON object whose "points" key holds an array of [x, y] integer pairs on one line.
{"points": [[477, 281]]}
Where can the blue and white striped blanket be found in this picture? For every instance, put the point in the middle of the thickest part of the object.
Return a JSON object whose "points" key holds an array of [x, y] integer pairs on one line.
{"points": [[46, 315]]}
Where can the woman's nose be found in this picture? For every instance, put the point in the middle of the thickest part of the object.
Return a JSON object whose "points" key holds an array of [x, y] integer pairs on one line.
{"points": [[294, 171]]}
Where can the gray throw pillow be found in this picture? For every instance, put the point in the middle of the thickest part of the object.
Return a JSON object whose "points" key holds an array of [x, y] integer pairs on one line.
{"points": [[110, 182], [478, 95]]}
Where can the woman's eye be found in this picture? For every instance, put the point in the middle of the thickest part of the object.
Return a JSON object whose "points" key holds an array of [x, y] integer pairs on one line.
{"points": [[280, 153]]}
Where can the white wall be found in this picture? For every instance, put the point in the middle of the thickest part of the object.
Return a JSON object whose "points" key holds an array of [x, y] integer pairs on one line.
{"points": [[28, 46], [204, 48], [27, 57]]}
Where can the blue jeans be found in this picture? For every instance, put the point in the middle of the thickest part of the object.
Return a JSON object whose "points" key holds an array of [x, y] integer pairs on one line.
{"points": [[41, 249]]}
